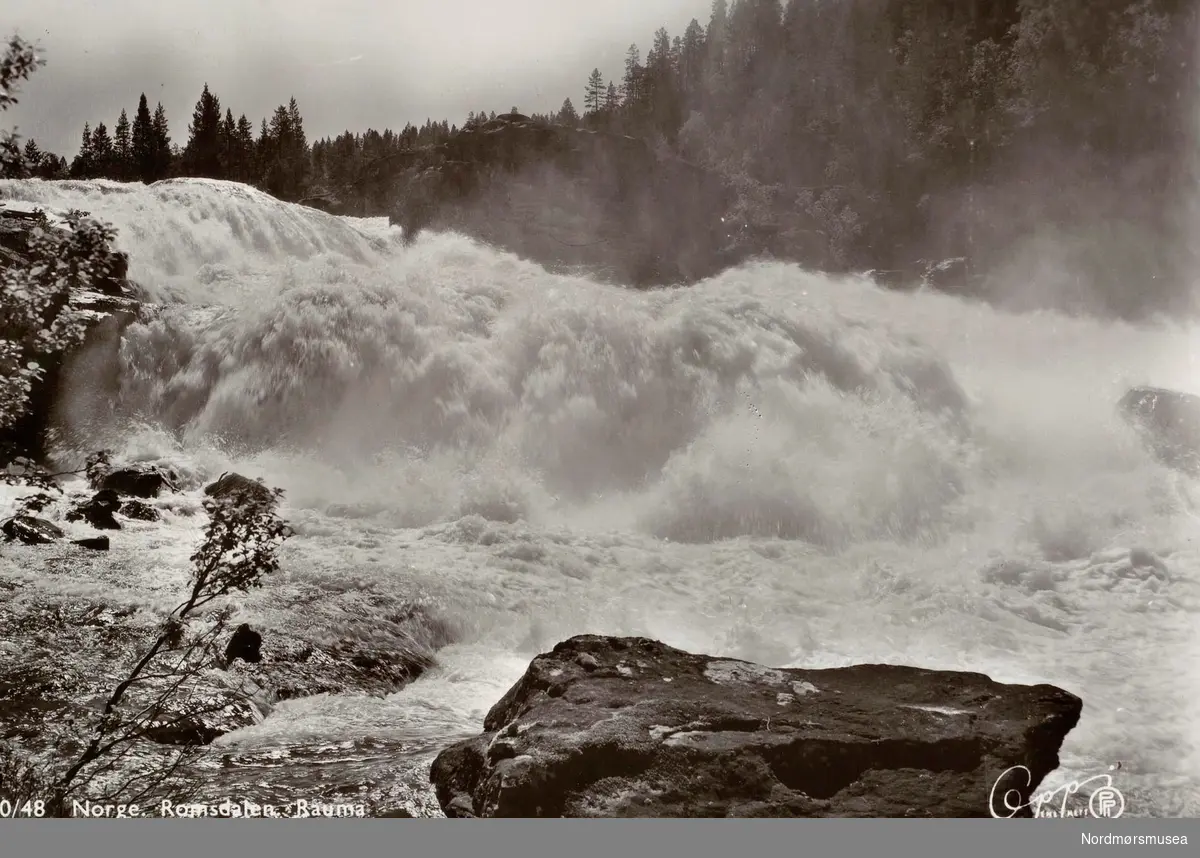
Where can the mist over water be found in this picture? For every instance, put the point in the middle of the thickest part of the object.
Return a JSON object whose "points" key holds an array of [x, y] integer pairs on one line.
{"points": [[772, 464]]}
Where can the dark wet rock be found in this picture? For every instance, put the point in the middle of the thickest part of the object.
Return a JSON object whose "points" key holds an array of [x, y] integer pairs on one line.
{"points": [[139, 511], [207, 717], [30, 530], [654, 731], [99, 511], [397, 648], [1168, 423], [33, 504], [303, 669], [95, 543], [245, 644], [229, 486], [142, 481]]}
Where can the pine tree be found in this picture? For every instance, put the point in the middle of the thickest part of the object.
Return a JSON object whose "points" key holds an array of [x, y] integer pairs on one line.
{"points": [[632, 82], [612, 98], [162, 151], [660, 86], [202, 154], [594, 93], [122, 150], [141, 144], [718, 25], [691, 58]]}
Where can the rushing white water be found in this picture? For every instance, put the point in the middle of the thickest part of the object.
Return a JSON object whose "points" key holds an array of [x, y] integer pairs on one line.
{"points": [[772, 465]]}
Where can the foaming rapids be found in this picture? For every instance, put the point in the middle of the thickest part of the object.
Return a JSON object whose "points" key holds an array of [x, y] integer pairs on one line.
{"points": [[772, 464]]}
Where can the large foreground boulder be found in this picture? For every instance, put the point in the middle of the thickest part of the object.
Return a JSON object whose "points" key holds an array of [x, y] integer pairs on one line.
{"points": [[621, 727]]}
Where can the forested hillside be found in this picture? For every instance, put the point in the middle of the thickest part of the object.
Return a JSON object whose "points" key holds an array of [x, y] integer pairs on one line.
{"points": [[1037, 139]]}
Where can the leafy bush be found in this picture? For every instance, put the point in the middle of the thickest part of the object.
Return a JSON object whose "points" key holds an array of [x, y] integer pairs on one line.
{"points": [[20, 60], [37, 316]]}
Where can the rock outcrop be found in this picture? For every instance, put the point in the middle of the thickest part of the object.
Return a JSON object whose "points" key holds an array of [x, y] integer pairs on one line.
{"points": [[1168, 423], [229, 486], [99, 512], [245, 644], [30, 530], [622, 727], [113, 300], [571, 198], [139, 481]]}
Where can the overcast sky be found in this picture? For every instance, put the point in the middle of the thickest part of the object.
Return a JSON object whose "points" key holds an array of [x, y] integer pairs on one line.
{"points": [[353, 64]]}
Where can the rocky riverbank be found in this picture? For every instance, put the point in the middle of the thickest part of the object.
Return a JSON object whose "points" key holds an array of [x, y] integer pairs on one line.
{"points": [[76, 611]]}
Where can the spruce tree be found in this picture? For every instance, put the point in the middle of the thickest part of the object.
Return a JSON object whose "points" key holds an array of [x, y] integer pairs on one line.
{"points": [[244, 135], [161, 150], [228, 146], [264, 156], [141, 144], [293, 155], [102, 152], [567, 115], [33, 158], [122, 150], [84, 163], [202, 154]]}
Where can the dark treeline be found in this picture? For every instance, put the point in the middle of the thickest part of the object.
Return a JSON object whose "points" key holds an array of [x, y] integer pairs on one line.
{"points": [[1025, 135], [1040, 139], [276, 158]]}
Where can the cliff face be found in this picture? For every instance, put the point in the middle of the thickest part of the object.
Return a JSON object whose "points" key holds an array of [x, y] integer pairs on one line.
{"points": [[570, 198]]}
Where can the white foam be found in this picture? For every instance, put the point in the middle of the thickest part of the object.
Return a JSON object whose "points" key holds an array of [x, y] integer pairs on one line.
{"points": [[740, 468]]}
